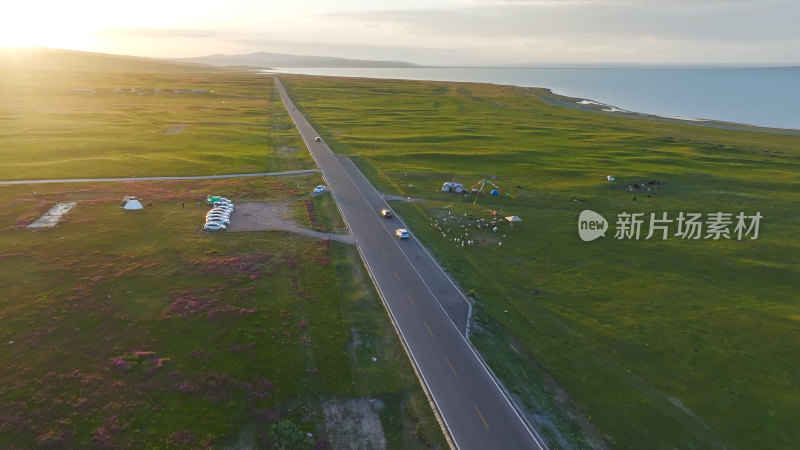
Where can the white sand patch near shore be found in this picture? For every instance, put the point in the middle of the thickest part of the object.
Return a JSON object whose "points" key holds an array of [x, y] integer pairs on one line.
{"points": [[606, 108], [53, 216], [684, 118], [609, 108]]}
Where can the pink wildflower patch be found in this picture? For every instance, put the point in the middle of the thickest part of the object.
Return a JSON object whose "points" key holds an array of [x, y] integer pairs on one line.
{"points": [[138, 358], [54, 439], [120, 364], [249, 265], [200, 354], [312, 218], [185, 386], [187, 306], [241, 347], [181, 437]]}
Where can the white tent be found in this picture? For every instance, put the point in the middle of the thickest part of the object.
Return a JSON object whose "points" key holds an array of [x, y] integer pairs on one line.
{"points": [[452, 186], [131, 203], [512, 219]]}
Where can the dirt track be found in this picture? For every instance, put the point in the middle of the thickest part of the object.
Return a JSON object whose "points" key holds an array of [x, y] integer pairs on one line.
{"points": [[260, 216]]}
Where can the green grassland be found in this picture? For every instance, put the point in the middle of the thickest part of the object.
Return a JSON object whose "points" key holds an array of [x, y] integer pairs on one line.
{"points": [[49, 130], [674, 343], [134, 329]]}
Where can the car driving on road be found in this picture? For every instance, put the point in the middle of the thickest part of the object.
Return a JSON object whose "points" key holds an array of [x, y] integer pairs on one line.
{"points": [[401, 233], [386, 213]]}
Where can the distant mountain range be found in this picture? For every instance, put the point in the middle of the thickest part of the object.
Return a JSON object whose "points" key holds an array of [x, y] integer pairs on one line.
{"points": [[271, 60], [67, 60]]}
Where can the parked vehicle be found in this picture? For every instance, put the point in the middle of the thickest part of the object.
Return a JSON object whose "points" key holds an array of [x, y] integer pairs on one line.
{"points": [[319, 189], [220, 219], [214, 227], [216, 198]]}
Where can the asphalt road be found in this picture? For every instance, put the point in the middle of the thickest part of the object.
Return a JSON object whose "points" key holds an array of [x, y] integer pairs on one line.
{"points": [[473, 407], [442, 287], [192, 177]]}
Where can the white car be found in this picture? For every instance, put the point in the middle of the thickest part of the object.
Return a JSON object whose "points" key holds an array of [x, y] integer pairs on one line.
{"points": [[217, 214], [227, 209], [317, 139], [319, 189], [402, 233], [223, 205], [214, 227], [220, 219]]}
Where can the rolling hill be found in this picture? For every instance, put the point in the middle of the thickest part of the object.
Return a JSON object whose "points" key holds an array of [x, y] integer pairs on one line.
{"points": [[268, 60], [66, 60]]}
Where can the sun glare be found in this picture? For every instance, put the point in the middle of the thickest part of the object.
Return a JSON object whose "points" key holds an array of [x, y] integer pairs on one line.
{"points": [[43, 30]]}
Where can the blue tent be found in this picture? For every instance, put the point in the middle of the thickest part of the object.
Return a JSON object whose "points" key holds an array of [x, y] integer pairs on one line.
{"points": [[494, 192]]}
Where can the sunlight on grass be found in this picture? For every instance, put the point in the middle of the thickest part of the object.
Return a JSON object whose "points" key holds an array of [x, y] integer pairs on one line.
{"points": [[638, 344]]}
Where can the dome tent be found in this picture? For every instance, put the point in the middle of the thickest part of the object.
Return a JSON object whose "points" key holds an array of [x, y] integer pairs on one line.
{"points": [[131, 203]]}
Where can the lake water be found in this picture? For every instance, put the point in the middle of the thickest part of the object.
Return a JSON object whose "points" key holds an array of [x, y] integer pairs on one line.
{"points": [[767, 97]]}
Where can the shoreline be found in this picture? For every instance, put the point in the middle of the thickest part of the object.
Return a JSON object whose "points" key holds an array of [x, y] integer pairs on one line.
{"points": [[589, 105], [391, 74]]}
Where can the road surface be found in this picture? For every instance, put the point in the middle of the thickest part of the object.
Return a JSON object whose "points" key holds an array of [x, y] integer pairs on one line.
{"points": [[191, 177], [453, 301], [475, 410]]}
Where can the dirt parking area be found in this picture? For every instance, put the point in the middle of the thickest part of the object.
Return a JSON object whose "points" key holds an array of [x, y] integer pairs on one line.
{"points": [[260, 216]]}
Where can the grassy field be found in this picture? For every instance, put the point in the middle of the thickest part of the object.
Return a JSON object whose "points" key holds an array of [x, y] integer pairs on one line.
{"points": [[50, 130], [675, 343], [133, 329]]}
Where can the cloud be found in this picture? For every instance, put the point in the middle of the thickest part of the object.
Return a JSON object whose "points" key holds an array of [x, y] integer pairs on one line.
{"points": [[157, 33], [741, 20], [496, 31], [600, 30]]}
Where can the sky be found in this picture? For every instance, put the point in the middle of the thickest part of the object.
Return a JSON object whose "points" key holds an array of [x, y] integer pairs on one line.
{"points": [[432, 32]]}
